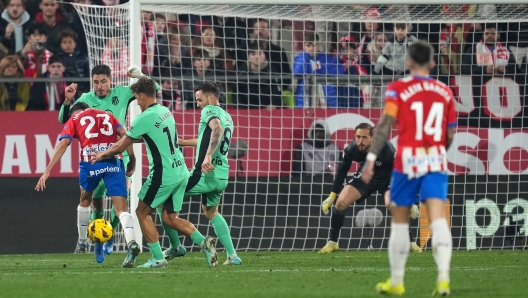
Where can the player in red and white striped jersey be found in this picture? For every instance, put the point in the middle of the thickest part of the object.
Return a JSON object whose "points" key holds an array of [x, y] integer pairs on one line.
{"points": [[97, 131], [424, 109]]}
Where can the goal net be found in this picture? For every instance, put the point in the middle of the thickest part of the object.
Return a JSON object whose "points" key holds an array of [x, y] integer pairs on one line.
{"points": [[297, 80]]}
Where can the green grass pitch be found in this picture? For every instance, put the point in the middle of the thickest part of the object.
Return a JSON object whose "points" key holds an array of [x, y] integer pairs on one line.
{"points": [[263, 274]]}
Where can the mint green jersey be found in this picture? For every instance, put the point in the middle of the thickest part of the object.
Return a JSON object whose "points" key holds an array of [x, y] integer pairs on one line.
{"points": [[157, 127], [220, 162]]}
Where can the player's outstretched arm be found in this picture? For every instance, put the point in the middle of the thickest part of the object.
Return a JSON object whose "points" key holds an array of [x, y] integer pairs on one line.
{"points": [[69, 93], [216, 135], [57, 155], [135, 72], [188, 143], [117, 148], [378, 142]]}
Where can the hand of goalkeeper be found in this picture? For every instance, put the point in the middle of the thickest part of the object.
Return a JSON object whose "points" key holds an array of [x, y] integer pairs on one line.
{"points": [[134, 72], [415, 212], [327, 204]]}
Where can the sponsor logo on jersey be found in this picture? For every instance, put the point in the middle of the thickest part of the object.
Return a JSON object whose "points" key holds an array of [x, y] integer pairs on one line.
{"points": [[115, 100], [378, 163], [105, 170]]}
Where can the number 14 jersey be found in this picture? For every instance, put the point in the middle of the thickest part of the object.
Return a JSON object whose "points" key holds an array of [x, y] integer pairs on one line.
{"points": [[220, 163], [424, 109], [95, 130]]}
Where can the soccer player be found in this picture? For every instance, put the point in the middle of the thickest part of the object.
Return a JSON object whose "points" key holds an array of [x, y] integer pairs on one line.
{"points": [[210, 174], [356, 190], [167, 178], [96, 130], [424, 109], [115, 101]]}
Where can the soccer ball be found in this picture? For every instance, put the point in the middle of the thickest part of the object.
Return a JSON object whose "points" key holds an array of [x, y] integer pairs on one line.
{"points": [[100, 231]]}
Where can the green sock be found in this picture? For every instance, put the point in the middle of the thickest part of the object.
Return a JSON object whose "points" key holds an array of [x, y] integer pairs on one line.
{"points": [[174, 238], [114, 219], [96, 214], [197, 237], [222, 232], [155, 250]]}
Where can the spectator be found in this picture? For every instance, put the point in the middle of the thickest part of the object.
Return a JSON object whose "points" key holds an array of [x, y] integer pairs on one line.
{"points": [[375, 48], [517, 38], [209, 43], [177, 60], [148, 42], [452, 44], [50, 95], [311, 62], [171, 93], [3, 51], [489, 56], [371, 28], [350, 95], [14, 23], [201, 69], [274, 54], [13, 96], [117, 57], [77, 65], [317, 154], [394, 58], [230, 30], [54, 22], [160, 40], [34, 55], [264, 92]]}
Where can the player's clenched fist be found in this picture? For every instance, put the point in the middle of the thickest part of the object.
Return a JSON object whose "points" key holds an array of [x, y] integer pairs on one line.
{"points": [[69, 93], [207, 165], [328, 203]]}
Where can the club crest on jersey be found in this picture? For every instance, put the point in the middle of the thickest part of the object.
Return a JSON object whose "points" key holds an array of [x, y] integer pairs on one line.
{"points": [[378, 163], [115, 100]]}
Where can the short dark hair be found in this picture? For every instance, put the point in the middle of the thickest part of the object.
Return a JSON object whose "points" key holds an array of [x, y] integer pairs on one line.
{"points": [[311, 37], [201, 54], [365, 125], [160, 15], [79, 106], [67, 33], [421, 53], [253, 47], [102, 69], [490, 26], [39, 27], [24, 3], [208, 87], [146, 86], [55, 59], [400, 25]]}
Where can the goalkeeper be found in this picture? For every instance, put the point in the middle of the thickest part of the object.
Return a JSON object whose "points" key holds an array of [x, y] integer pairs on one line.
{"points": [[115, 101], [356, 190]]}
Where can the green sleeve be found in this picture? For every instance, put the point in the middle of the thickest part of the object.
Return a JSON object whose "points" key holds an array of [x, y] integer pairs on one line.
{"points": [[64, 113], [138, 127], [208, 113]]}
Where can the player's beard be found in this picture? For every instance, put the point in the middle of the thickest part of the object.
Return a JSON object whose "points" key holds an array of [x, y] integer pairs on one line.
{"points": [[101, 96], [363, 148]]}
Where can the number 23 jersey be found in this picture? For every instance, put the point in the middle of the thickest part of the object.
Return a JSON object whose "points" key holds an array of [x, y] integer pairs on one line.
{"points": [[219, 158], [424, 109], [94, 129]]}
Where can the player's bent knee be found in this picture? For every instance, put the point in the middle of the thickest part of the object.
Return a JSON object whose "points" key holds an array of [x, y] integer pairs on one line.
{"points": [[210, 211]]}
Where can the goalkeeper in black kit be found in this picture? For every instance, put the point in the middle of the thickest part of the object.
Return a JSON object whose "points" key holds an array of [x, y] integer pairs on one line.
{"points": [[356, 190]]}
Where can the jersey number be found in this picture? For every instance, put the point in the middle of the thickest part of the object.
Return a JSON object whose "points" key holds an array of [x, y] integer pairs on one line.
{"points": [[91, 124], [433, 123], [226, 141], [172, 145]]}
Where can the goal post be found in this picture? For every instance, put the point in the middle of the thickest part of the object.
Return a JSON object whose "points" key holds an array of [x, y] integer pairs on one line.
{"points": [[269, 209]]}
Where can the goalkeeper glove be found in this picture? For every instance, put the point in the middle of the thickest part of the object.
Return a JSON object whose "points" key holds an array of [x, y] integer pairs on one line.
{"points": [[415, 212], [135, 71], [328, 203]]}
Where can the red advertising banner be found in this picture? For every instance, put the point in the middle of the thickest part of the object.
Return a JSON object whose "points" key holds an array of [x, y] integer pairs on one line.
{"points": [[27, 141]]}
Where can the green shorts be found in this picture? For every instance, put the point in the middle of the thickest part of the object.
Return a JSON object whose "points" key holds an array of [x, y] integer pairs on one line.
{"points": [[170, 196], [100, 191], [211, 189]]}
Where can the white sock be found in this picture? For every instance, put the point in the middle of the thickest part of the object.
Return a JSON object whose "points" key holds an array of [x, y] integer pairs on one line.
{"points": [[127, 223], [442, 247], [83, 219], [399, 245]]}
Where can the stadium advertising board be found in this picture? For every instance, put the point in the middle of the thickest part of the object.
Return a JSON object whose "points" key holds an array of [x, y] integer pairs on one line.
{"points": [[26, 146]]}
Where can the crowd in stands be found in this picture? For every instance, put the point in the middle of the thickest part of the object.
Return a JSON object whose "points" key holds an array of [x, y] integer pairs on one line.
{"points": [[259, 63]]}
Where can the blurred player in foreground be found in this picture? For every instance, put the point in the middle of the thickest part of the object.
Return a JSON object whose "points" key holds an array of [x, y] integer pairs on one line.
{"points": [[97, 130], [424, 109]]}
